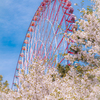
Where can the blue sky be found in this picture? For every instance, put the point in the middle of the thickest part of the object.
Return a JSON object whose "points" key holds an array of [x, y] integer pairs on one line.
{"points": [[15, 17]]}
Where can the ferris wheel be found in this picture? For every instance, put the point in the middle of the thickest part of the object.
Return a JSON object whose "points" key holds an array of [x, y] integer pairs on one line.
{"points": [[45, 38]]}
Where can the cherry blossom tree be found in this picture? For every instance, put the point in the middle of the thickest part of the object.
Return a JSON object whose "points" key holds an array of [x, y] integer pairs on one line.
{"points": [[86, 46], [38, 85], [4, 87]]}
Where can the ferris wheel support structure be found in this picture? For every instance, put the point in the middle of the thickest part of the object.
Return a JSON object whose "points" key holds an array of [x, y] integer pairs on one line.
{"points": [[45, 38]]}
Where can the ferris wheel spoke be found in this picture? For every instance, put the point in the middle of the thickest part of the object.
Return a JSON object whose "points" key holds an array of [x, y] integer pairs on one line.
{"points": [[53, 22], [56, 32], [45, 15], [48, 23], [54, 37], [49, 17]]}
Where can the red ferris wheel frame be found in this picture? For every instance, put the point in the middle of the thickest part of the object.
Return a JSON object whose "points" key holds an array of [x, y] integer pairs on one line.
{"points": [[25, 53]]}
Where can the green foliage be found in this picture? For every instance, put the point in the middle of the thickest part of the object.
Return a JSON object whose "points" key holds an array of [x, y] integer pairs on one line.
{"points": [[98, 78], [79, 70], [59, 26], [75, 51], [62, 70], [3, 85], [61, 99], [90, 77], [83, 58], [67, 68], [78, 37], [1, 77], [89, 10], [53, 77]]}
